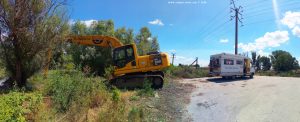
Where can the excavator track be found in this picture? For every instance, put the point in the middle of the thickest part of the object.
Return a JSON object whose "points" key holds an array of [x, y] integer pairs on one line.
{"points": [[133, 81]]}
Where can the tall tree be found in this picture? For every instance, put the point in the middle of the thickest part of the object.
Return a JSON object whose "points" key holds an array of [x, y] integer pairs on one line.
{"points": [[125, 36], [79, 28], [96, 58], [257, 63], [265, 63], [32, 27], [283, 61], [154, 45], [253, 54], [143, 41]]}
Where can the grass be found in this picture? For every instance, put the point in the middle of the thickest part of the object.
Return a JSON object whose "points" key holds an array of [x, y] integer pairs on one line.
{"points": [[2, 72], [293, 73], [70, 95], [185, 72]]}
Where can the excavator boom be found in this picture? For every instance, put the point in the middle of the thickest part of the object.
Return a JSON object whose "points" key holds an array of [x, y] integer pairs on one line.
{"points": [[102, 41]]}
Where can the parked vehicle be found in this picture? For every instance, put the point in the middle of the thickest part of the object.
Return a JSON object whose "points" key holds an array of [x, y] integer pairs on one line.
{"points": [[230, 66]]}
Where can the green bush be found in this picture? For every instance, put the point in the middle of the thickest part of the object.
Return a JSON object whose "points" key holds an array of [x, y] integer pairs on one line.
{"points": [[2, 70], [185, 72], [135, 114], [293, 73], [116, 95], [16, 106], [72, 87], [147, 89]]}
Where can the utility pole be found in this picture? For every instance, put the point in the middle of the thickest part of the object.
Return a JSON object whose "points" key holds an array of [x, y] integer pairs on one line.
{"points": [[238, 11], [173, 56]]}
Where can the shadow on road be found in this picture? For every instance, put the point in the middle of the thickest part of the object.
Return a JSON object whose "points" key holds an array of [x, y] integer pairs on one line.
{"points": [[222, 80]]}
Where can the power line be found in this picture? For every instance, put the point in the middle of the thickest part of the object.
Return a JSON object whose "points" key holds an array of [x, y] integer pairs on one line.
{"points": [[212, 21], [238, 19]]}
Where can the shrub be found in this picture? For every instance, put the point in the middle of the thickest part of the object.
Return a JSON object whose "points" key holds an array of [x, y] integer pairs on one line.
{"points": [[186, 72], [19, 106], [147, 89], [116, 94], [72, 87], [135, 114]]}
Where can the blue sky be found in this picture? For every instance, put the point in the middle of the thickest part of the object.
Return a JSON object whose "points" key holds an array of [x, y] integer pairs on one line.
{"points": [[200, 28]]}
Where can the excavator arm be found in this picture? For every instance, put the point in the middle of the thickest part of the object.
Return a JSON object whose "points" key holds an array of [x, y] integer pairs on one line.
{"points": [[96, 40]]}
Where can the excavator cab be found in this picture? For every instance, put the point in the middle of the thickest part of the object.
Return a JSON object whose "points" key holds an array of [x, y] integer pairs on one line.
{"points": [[123, 55]]}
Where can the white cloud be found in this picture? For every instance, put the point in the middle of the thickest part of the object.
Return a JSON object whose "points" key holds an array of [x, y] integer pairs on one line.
{"points": [[224, 41], [149, 39], [296, 31], [172, 51], [88, 23], [262, 53], [156, 22], [291, 19], [270, 39]]}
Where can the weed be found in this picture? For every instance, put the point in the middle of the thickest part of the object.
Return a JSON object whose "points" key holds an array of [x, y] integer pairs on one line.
{"points": [[134, 98], [116, 94], [135, 114], [19, 106], [147, 89]]}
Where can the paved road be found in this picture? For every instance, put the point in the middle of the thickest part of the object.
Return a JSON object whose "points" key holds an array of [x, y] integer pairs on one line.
{"points": [[262, 99]]}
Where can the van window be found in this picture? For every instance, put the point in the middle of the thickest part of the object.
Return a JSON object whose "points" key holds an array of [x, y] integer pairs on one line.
{"points": [[214, 63], [228, 62], [239, 62]]}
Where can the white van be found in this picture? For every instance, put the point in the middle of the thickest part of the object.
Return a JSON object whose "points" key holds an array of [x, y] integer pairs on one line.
{"points": [[230, 66]]}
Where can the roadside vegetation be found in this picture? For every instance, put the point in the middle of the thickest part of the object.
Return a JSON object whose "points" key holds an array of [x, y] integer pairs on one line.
{"points": [[185, 71], [279, 63], [74, 88]]}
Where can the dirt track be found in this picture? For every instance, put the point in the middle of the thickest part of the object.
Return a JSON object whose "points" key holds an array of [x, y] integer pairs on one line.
{"points": [[262, 99]]}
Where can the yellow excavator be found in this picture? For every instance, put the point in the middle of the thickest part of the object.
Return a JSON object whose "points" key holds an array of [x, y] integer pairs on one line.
{"points": [[131, 70]]}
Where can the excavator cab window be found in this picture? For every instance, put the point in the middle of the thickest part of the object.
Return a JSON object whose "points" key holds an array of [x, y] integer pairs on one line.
{"points": [[123, 55]]}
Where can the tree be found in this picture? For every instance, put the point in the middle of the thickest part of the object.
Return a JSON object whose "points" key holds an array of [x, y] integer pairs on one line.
{"points": [[265, 63], [257, 63], [32, 27], [79, 28], [145, 42], [125, 36], [253, 54], [154, 45], [283, 61], [142, 41], [96, 58]]}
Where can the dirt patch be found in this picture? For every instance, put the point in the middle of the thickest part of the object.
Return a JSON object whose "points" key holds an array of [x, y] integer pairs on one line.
{"points": [[171, 101]]}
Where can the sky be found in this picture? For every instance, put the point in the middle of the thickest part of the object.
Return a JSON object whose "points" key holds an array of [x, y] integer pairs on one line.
{"points": [[200, 28]]}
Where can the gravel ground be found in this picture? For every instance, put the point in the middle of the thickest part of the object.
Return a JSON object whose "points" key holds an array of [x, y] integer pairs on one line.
{"points": [[262, 99]]}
